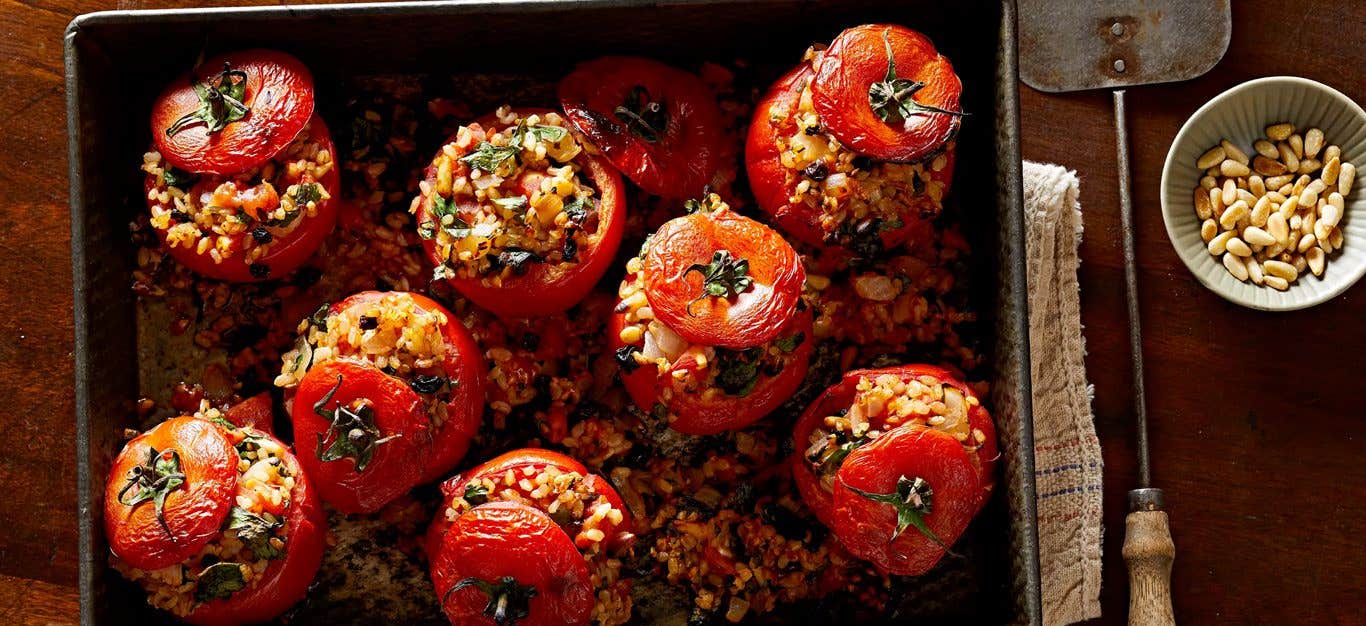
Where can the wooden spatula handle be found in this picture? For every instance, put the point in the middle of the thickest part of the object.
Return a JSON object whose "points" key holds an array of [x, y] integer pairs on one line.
{"points": [[1149, 552]]}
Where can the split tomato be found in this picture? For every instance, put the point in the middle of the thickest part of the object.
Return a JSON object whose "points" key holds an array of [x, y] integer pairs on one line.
{"points": [[660, 126]]}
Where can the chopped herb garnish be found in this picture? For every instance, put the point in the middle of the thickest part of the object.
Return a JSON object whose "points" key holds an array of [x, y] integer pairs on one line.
{"points": [[476, 494], [517, 260], [454, 226], [893, 99], [788, 344], [577, 208], [737, 370], [220, 101], [692, 205], [176, 177], [517, 204], [318, 319], [254, 531], [491, 158], [219, 581]]}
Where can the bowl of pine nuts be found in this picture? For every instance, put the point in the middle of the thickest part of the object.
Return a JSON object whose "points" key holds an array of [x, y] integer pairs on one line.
{"points": [[1259, 198]]}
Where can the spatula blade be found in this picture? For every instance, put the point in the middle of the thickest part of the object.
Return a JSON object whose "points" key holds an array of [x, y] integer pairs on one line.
{"points": [[1075, 45]]}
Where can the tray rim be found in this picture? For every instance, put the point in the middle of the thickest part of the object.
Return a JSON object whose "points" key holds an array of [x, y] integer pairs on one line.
{"points": [[1010, 166]]}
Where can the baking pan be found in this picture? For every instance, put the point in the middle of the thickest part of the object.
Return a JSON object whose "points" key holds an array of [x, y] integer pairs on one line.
{"points": [[117, 61]]}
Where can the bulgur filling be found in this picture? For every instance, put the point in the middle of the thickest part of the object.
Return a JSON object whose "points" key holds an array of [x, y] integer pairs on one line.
{"points": [[242, 214], [886, 402], [501, 199], [253, 535], [694, 369], [857, 196], [392, 333], [569, 500]]}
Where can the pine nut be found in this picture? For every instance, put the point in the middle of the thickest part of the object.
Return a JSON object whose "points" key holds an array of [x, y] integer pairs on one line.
{"points": [[1265, 148], [1331, 213], [1301, 184], [1203, 208], [1278, 283], [1246, 196], [1276, 182], [1285, 189], [1230, 192], [1300, 265], [1233, 168], [1331, 152], [1327, 244], [1313, 142], [1309, 197], [1276, 197], [1288, 157], [1237, 211], [1295, 222], [1219, 244], [1317, 185], [1323, 231], [1346, 175], [1297, 145], [1258, 237], [1236, 267], [1289, 207], [1261, 211], [1280, 269], [1256, 186], [1211, 158], [1208, 182], [631, 334], [1307, 223], [1268, 166], [1213, 171], [1335, 238], [1272, 252], [1315, 257], [1208, 229], [1216, 201], [1232, 152], [1309, 166], [1330, 171], [1306, 242], [1254, 270], [1280, 132], [1277, 227], [1238, 246]]}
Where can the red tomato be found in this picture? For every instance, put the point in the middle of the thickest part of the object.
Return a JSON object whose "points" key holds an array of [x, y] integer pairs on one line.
{"points": [[682, 254], [285, 580], [278, 96], [856, 66], [558, 287], [536, 458], [286, 252], [868, 528], [657, 124], [512, 556], [706, 414], [193, 511], [464, 366], [256, 412], [840, 396], [395, 466], [774, 184]]}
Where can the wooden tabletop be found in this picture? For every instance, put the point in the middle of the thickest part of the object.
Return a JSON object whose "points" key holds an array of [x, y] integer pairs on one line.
{"points": [[1255, 417]]}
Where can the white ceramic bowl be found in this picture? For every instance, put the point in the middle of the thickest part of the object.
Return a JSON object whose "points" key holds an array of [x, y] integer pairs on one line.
{"points": [[1241, 115]]}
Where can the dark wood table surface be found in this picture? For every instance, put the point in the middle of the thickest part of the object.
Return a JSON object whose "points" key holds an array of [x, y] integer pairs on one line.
{"points": [[1256, 421]]}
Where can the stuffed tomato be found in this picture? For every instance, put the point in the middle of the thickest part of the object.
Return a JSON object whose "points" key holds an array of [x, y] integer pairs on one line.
{"points": [[517, 216], [853, 149], [387, 389], [241, 177], [710, 331], [892, 448], [658, 125], [217, 523], [529, 537]]}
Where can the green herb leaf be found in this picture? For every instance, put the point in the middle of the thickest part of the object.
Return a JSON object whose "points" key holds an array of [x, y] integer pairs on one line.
{"points": [[176, 177], [491, 158], [517, 259], [158, 476], [790, 343], [737, 370], [725, 277], [219, 581], [517, 204], [476, 494], [693, 205], [455, 227], [220, 102], [352, 433], [254, 531], [577, 208], [541, 132], [893, 99]]}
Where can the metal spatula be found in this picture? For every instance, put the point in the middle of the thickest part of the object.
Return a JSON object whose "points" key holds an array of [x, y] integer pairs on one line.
{"points": [[1072, 45]]}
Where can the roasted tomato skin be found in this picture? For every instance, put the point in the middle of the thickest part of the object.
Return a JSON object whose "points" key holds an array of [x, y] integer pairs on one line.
{"points": [[286, 580], [672, 285], [548, 289], [855, 60], [286, 253], [841, 395], [700, 416], [536, 458], [279, 92], [396, 465], [506, 539], [681, 162], [774, 185], [256, 413], [866, 528], [194, 511], [464, 364]]}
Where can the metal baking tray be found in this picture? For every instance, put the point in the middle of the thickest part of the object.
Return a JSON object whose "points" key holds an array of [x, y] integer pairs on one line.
{"points": [[117, 61]]}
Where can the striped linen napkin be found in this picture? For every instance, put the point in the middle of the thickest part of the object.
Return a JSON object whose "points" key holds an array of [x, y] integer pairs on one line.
{"points": [[1067, 456]]}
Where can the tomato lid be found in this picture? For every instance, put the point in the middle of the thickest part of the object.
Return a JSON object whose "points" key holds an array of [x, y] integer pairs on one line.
{"points": [[718, 278], [168, 492], [233, 112], [885, 92], [510, 554], [658, 124]]}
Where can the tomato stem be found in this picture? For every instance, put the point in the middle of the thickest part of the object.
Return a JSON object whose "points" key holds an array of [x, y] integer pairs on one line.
{"points": [[220, 101], [158, 476], [352, 432], [913, 499], [893, 99], [725, 277], [508, 601], [644, 117]]}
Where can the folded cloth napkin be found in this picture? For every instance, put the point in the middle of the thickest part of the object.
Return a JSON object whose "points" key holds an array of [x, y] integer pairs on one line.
{"points": [[1067, 459]]}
